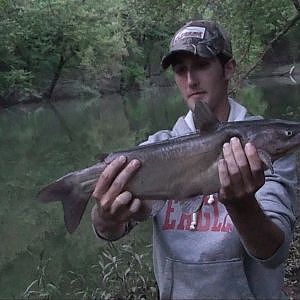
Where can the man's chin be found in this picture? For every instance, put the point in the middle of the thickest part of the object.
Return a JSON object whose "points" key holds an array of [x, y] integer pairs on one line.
{"points": [[198, 97], [192, 100]]}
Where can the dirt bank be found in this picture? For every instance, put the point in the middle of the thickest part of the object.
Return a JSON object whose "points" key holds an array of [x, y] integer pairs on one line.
{"points": [[292, 275]]}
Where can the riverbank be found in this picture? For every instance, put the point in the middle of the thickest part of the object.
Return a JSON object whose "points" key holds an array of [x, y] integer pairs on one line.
{"points": [[292, 270]]}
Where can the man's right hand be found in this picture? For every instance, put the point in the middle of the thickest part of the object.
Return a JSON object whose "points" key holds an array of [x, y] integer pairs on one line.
{"points": [[115, 207]]}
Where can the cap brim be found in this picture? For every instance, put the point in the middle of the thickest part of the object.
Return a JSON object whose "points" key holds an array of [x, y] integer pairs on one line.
{"points": [[170, 58]]}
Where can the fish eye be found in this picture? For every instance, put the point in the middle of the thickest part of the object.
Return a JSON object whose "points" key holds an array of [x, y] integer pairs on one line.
{"points": [[289, 133]]}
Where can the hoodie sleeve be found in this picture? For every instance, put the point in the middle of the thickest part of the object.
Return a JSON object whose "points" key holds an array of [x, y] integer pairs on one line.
{"points": [[277, 198]]}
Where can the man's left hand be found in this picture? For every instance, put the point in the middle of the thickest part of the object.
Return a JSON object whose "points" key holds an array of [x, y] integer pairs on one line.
{"points": [[241, 172]]}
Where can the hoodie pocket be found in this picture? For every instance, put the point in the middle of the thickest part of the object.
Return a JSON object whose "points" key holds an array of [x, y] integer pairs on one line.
{"points": [[207, 280]]}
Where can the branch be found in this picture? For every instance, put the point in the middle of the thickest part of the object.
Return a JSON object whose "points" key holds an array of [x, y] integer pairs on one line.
{"points": [[297, 4], [62, 121], [289, 24], [289, 72], [247, 50]]}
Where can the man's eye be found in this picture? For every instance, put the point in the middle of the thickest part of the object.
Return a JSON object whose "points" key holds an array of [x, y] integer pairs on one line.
{"points": [[178, 69]]}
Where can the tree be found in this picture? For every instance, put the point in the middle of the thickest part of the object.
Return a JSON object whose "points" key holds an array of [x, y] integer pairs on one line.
{"points": [[43, 41], [46, 38]]}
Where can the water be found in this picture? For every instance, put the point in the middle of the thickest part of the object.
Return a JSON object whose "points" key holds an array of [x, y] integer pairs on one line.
{"points": [[39, 143]]}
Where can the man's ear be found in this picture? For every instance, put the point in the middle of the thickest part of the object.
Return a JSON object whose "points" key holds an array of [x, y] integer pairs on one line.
{"points": [[229, 69]]}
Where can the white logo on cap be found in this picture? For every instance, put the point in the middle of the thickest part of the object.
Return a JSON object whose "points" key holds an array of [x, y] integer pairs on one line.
{"points": [[190, 32]]}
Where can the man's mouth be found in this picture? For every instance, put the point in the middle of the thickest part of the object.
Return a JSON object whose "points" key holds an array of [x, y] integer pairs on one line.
{"points": [[199, 93]]}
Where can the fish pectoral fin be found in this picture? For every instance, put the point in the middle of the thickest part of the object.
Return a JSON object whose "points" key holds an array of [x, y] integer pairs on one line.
{"points": [[203, 117], [266, 159]]}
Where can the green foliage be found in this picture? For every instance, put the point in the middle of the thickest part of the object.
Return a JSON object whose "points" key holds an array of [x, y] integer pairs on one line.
{"points": [[43, 40], [120, 272], [43, 36], [133, 73], [252, 98], [13, 80], [251, 25]]}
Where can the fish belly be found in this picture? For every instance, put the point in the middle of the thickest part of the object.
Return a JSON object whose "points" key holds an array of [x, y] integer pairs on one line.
{"points": [[176, 174]]}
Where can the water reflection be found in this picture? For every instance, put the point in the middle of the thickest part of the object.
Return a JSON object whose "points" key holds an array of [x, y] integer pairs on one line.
{"points": [[39, 144], [279, 92]]}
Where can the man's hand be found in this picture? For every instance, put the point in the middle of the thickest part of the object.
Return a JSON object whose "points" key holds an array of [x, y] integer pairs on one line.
{"points": [[241, 175], [241, 172], [114, 206]]}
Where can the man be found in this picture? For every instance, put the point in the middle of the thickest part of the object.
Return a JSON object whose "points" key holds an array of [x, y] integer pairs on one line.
{"points": [[241, 236]]}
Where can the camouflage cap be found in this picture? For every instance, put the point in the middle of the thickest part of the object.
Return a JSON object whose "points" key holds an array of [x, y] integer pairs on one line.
{"points": [[201, 37]]}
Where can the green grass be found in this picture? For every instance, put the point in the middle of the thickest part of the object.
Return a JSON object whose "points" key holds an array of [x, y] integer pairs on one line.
{"points": [[119, 271]]}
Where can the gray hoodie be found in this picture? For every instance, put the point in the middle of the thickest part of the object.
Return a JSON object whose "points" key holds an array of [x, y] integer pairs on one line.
{"points": [[212, 262]]}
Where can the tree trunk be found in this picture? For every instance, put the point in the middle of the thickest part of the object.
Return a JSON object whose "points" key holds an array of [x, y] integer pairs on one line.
{"points": [[48, 93], [289, 24]]}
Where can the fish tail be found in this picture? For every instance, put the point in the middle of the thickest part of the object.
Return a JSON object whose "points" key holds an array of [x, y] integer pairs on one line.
{"points": [[74, 192]]}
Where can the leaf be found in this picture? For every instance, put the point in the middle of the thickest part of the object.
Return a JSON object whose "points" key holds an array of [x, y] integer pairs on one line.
{"points": [[108, 256], [106, 276], [138, 258], [127, 272], [53, 288], [30, 286]]}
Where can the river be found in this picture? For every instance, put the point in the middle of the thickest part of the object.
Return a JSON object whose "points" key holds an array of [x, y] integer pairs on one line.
{"points": [[39, 143]]}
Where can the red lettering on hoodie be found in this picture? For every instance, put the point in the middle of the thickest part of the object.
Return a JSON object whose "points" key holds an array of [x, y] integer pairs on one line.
{"points": [[169, 224], [185, 218], [217, 225], [227, 224], [209, 218]]}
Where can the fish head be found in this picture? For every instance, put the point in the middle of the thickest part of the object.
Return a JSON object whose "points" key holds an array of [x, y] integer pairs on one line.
{"points": [[276, 137]]}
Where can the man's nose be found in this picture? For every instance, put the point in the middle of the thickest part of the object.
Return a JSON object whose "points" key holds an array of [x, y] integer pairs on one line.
{"points": [[192, 78]]}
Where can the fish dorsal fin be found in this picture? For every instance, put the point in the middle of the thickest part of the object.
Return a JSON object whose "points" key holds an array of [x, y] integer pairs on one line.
{"points": [[203, 117]]}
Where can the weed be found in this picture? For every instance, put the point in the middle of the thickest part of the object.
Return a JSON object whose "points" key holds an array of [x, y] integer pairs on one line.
{"points": [[120, 272]]}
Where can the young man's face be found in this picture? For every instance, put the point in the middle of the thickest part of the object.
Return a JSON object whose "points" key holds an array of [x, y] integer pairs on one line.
{"points": [[200, 79]]}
